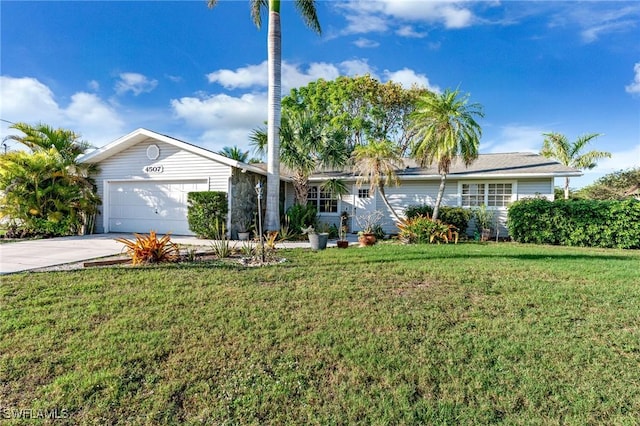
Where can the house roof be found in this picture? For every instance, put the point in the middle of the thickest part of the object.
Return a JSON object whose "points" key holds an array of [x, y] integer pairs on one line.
{"points": [[507, 165], [141, 135]]}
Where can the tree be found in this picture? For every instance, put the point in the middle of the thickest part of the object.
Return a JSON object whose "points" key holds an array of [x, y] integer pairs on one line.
{"points": [[307, 9], [305, 145], [557, 147], [377, 163], [234, 153], [47, 191], [362, 107], [618, 185], [446, 128]]}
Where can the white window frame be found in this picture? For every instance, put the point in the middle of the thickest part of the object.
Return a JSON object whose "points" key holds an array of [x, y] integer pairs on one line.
{"points": [[317, 203], [486, 183]]}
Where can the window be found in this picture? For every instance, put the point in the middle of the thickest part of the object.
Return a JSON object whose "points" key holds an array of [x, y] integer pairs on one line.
{"points": [[322, 200], [363, 193], [472, 194], [489, 194]]}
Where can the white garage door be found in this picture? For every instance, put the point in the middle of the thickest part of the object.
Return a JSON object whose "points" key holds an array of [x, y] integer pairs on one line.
{"points": [[144, 206]]}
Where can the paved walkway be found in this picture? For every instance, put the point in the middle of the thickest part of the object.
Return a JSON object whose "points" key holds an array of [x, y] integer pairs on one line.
{"points": [[33, 254]]}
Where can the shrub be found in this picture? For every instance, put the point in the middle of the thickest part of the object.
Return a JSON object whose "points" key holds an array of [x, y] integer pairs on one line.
{"points": [[422, 229], [221, 246], [206, 211], [301, 217], [456, 216], [150, 249], [418, 210], [589, 223]]}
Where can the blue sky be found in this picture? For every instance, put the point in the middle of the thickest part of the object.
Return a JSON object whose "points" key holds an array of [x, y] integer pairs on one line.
{"points": [[106, 68]]}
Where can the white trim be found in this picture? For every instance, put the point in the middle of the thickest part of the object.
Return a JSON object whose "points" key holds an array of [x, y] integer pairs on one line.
{"points": [[141, 135]]}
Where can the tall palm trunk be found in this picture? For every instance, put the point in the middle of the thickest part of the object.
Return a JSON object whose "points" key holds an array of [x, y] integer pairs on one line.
{"points": [[274, 53], [386, 203], [566, 188], [436, 208]]}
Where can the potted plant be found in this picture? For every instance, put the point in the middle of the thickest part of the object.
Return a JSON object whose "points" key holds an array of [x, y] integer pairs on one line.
{"points": [[244, 230], [317, 240], [368, 223], [342, 231], [483, 219], [342, 234]]}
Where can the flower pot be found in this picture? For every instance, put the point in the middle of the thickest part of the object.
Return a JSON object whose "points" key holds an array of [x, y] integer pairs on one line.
{"points": [[366, 240], [342, 243], [318, 241], [244, 236]]}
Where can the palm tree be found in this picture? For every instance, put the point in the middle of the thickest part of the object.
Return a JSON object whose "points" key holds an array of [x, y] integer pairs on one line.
{"points": [[557, 146], [58, 186], [43, 137], [234, 153], [377, 163], [306, 144], [307, 9], [445, 128]]}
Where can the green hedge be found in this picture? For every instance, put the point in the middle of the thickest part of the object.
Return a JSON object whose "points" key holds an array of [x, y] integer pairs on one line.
{"points": [[456, 216], [204, 209], [589, 223]]}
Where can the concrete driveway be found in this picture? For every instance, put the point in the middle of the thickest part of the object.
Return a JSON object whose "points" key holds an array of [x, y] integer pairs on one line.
{"points": [[33, 254]]}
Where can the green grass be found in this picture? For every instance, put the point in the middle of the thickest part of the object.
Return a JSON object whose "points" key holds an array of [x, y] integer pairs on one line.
{"points": [[450, 334]]}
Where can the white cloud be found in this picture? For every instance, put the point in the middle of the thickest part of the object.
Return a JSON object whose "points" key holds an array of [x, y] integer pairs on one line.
{"points": [[356, 67], [366, 16], [134, 83], [515, 138], [241, 78], [619, 160], [28, 100], [224, 119], [634, 87], [93, 85], [255, 76], [366, 43], [407, 77], [410, 32]]}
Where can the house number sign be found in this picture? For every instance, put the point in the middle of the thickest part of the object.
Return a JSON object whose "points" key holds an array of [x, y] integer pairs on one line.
{"points": [[153, 169]]}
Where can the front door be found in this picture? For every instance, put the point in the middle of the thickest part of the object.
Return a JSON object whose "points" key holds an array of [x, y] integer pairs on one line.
{"points": [[364, 204]]}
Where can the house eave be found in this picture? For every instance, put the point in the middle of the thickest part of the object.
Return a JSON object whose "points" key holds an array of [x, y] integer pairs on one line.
{"points": [[140, 135]]}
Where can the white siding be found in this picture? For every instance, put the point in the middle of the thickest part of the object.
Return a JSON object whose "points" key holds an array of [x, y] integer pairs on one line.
{"points": [[528, 188], [176, 164]]}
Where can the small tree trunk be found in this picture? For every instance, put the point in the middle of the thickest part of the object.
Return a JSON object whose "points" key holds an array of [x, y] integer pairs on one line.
{"points": [[386, 203], [566, 188], [436, 208]]}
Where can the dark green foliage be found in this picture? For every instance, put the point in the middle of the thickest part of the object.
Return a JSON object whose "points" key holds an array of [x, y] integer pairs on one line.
{"points": [[378, 232], [456, 216], [206, 210], [588, 223], [301, 217], [418, 210]]}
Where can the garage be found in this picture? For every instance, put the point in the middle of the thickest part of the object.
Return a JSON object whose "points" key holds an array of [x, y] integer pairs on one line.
{"points": [[144, 179], [144, 206]]}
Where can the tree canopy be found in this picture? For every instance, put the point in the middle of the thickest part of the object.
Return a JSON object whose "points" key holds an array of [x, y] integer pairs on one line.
{"points": [[362, 107], [618, 185]]}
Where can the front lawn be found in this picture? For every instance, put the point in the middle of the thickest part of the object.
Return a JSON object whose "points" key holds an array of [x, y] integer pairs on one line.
{"points": [[449, 334]]}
